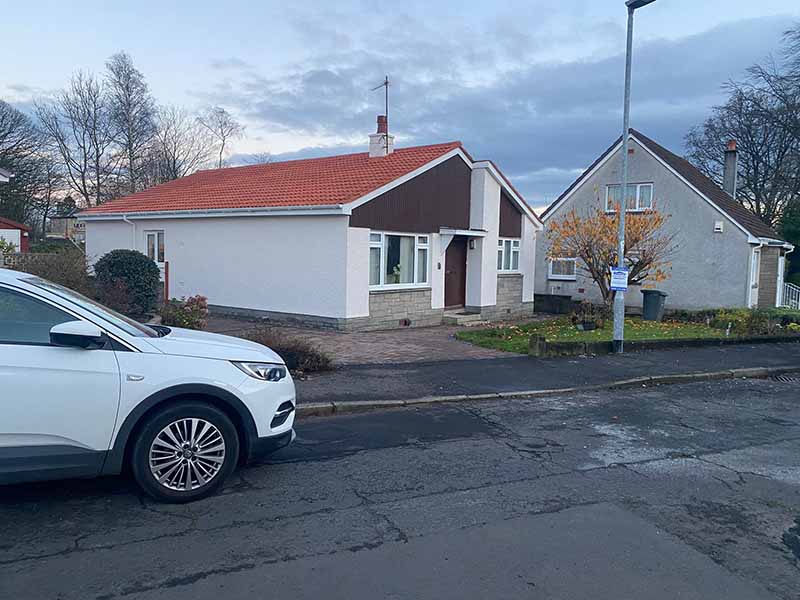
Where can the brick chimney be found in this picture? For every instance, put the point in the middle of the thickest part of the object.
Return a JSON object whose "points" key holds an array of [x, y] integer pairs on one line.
{"points": [[381, 143], [730, 172]]}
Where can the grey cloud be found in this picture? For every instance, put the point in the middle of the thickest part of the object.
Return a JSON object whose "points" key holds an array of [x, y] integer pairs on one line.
{"points": [[230, 64], [540, 121]]}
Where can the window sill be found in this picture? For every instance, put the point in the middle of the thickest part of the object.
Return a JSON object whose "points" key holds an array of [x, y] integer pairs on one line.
{"points": [[398, 288], [558, 278], [509, 273]]}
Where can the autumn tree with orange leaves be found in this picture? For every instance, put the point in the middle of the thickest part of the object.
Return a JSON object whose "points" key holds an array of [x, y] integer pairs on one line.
{"points": [[591, 238]]}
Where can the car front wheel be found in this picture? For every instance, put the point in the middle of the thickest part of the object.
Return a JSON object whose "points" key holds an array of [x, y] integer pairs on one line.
{"points": [[185, 452]]}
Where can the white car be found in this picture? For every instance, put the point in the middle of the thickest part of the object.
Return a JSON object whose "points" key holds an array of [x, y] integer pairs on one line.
{"points": [[85, 391]]}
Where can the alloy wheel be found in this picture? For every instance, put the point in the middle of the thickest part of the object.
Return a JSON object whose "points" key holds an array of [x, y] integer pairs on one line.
{"points": [[187, 454]]}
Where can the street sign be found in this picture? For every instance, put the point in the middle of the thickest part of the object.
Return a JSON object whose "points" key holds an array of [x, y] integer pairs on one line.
{"points": [[619, 279]]}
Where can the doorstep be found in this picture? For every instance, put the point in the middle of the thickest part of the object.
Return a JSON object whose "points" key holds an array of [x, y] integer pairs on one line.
{"points": [[462, 318]]}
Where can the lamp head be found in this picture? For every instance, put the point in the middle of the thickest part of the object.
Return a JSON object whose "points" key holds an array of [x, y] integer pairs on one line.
{"points": [[634, 4]]}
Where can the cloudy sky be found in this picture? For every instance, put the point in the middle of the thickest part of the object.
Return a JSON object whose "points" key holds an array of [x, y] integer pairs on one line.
{"points": [[535, 85]]}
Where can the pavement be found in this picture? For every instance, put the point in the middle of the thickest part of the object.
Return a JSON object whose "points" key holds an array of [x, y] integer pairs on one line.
{"points": [[514, 373], [685, 491]]}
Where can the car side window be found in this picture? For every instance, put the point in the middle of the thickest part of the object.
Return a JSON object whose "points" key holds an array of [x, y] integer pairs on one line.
{"points": [[25, 320]]}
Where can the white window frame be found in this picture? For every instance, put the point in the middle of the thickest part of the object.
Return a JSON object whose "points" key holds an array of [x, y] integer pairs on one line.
{"points": [[516, 244], [422, 241], [551, 275], [639, 187], [154, 233]]}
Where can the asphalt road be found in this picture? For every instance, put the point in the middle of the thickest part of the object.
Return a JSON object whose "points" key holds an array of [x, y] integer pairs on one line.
{"points": [[674, 492]]}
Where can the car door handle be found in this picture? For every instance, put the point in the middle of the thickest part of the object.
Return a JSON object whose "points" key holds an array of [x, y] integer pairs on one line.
{"points": [[134, 378]]}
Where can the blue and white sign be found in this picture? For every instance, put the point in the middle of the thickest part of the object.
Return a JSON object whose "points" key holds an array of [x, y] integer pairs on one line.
{"points": [[619, 279]]}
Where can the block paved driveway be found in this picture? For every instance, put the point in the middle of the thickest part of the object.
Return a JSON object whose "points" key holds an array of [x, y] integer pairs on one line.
{"points": [[425, 344]]}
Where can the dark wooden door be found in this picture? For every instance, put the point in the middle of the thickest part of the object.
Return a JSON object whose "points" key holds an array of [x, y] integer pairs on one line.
{"points": [[455, 273]]}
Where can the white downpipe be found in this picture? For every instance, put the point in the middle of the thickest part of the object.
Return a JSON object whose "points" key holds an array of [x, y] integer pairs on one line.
{"points": [[125, 219]]}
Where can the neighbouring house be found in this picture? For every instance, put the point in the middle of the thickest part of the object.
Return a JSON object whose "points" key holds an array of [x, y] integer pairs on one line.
{"points": [[381, 239], [65, 225], [725, 255], [15, 233]]}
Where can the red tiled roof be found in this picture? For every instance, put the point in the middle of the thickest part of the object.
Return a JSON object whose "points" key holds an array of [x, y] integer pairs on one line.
{"points": [[9, 224], [310, 182]]}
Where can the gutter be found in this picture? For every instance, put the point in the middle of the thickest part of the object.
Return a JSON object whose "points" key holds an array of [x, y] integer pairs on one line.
{"points": [[334, 209]]}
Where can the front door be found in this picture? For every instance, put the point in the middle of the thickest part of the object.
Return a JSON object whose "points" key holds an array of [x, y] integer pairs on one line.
{"points": [[455, 273]]}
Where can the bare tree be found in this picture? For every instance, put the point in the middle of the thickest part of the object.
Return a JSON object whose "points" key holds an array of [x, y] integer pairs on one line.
{"points": [[223, 127], [131, 113], [78, 126], [34, 169], [18, 134], [51, 183], [260, 158], [792, 51], [181, 145], [769, 155]]}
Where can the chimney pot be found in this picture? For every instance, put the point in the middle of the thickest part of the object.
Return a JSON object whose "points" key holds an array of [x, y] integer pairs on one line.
{"points": [[730, 171], [383, 124]]}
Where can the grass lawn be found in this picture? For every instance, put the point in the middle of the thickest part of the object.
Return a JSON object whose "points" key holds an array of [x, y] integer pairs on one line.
{"points": [[514, 338]]}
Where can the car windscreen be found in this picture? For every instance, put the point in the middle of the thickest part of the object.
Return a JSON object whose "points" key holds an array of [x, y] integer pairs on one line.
{"points": [[127, 324]]}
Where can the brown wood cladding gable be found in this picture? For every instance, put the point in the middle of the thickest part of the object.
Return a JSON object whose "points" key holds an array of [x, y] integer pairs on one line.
{"points": [[510, 218], [437, 198]]}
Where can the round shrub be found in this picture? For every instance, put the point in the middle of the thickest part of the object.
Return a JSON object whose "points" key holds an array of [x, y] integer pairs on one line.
{"points": [[139, 274]]}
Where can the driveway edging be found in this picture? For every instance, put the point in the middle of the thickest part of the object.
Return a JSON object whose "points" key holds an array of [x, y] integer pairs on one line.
{"points": [[320, 409]]}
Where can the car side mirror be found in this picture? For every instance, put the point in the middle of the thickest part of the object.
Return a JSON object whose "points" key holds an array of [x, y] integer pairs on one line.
{"points": [[77, 334]]}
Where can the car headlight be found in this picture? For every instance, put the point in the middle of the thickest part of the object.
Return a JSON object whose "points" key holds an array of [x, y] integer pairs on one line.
{"points": [[263, 371]]}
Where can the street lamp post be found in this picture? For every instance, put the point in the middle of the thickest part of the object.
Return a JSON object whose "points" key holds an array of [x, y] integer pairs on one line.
{"points": [[619, 297]]}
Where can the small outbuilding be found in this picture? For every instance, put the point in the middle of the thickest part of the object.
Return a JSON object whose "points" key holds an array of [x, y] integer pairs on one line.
{"points": [[15, 233]]}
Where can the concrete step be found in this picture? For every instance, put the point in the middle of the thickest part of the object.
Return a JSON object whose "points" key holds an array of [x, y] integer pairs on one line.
{"points": [[462, 318]]}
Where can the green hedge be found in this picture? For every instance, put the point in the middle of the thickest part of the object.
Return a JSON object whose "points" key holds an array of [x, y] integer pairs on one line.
{"points": [[744, 321]]}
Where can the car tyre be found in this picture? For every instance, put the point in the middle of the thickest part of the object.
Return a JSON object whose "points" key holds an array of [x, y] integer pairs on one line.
{"points": [[185, 452]]}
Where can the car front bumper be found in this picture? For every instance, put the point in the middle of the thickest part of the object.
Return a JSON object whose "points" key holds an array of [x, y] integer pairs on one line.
{"points": [[264, 446]]}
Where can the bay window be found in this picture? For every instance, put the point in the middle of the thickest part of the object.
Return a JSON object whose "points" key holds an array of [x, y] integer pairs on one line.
{"points": [[397, 260], [638, 198], [507, 255]]}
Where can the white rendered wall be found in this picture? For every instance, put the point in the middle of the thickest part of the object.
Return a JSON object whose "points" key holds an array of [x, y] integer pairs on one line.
{"points": [[436, 273], [527, 259], [283, 264], [482, 260], [357, 272]]}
